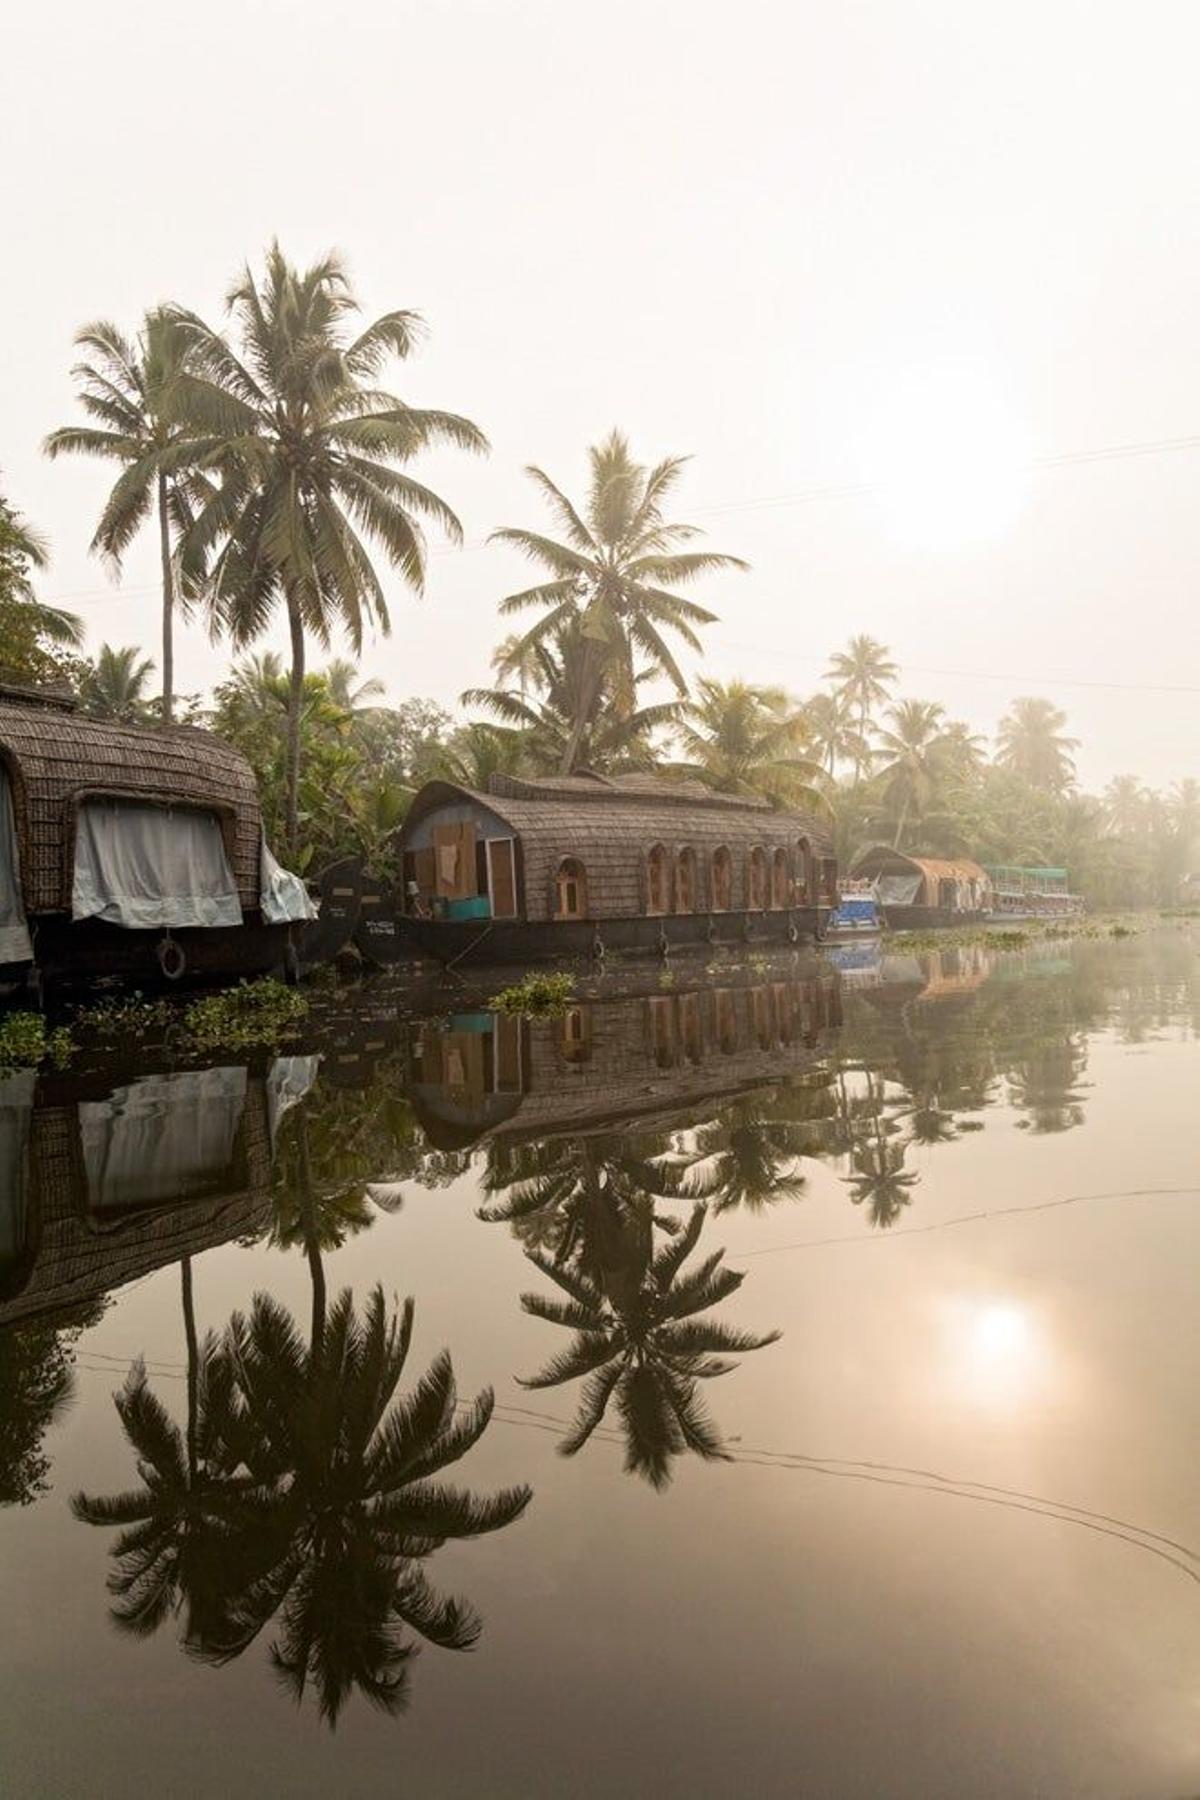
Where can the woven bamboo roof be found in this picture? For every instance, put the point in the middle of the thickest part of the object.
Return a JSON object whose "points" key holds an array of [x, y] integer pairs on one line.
{"points": [[56, 757]]}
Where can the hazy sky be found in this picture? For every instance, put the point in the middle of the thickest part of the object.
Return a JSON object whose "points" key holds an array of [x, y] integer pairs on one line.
{"points": [[918, 246]]}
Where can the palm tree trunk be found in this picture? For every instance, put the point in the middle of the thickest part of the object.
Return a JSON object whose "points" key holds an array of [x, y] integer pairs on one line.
{"points": [[588, 695], [295, 708], [168, 605], [312, 1246], [901, 823], [193, 1361]]}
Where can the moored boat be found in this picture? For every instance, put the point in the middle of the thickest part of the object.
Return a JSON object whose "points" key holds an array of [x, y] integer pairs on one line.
{"points": [[922, 893]]}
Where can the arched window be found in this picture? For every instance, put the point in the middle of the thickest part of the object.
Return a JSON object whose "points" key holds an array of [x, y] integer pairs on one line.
{"points": [[691, 1028], [829, 879], [657, 881], [780, 880], [722, 880], [685, 881], [570, 890], [662, 1032], [804, 891], [762, 1011], [756, 883]]}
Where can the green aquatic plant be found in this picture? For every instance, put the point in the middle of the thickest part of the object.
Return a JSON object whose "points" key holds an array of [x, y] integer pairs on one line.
{"points": [[256, 1012], [541, 996], [26, 1043]]}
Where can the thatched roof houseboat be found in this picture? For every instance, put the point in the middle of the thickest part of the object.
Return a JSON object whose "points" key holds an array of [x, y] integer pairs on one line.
{"points": [[131, 850], [918, 892], [584, 863]]}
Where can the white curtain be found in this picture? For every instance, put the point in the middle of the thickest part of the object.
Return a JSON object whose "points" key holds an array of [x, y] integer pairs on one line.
{"points": [[288, 1080], [151, 866], [283, 896], [897, 890], [14, 933], [162, 1138], [16, 1111]]}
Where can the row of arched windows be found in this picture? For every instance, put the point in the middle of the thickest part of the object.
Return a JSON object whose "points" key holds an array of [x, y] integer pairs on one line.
{"points": [[772, 881]]}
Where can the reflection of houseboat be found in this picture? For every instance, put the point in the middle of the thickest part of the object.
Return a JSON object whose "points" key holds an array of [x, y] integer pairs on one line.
{"points": [[649, 1058], [584, 863], [1030, 893], [102, 1182], [919, 892], [130, 851]]}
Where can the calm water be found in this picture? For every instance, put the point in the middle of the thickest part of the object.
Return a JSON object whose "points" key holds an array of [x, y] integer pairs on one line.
{"points": [[863, 1301]]}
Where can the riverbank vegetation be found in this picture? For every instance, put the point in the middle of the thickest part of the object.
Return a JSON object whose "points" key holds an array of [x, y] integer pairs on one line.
{"points": [[274, 465]]}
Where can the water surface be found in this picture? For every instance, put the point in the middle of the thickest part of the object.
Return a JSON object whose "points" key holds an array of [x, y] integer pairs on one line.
{"points": [[864, 1300]]}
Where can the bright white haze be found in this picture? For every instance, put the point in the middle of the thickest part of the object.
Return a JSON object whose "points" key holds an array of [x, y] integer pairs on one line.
{"points": [[891, 258]]}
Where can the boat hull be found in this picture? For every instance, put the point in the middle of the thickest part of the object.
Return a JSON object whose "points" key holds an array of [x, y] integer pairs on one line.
{"points": [[528, 940], [931, 918]]}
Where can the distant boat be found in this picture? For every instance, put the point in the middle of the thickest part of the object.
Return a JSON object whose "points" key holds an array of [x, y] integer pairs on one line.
{"points": [[919, 893]]}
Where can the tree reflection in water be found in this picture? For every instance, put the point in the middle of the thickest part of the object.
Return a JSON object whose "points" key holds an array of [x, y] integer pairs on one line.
{"points": [[303, 1493], [635, 1310]]}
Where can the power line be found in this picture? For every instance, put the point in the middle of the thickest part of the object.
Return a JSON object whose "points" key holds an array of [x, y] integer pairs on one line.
{"points": [[829, 493], [1071, 681]]}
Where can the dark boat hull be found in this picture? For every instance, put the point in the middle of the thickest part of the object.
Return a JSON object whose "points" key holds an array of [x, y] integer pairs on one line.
{"points": [[931, 918], [529, 940]]}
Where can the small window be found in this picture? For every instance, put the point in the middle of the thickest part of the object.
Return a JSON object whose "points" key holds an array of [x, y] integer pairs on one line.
{"points": [[571, 890], [780, 880], [577, 1034], [722, 880], [756, 884], [685, 881], [657, 882], [829, 879]]}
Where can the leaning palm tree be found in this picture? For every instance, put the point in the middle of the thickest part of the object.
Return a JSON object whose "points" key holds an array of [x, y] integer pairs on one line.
{"points": [[114, 686], [307, 449], [639, 1339], [615, 566], [910, 776], [130, 388], [748, 740], [1033, 744], [864, 675]]}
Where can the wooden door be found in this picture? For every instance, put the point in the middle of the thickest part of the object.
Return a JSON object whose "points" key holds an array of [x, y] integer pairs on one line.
{"points": [[502, 878]]}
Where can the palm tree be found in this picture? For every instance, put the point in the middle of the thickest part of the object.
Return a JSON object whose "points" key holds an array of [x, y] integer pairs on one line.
{"points": [[614, 570], [347, 691], [910, 778], [744, 740], [1031, 742], [864, 674], [132, 390], [833, 734], [26, 623], [115, 685], [563, 672], [477, 751], [1125, 801], [881, 1180], [749, 1156], [638, 1338], [305, 444], [346, 1501]]}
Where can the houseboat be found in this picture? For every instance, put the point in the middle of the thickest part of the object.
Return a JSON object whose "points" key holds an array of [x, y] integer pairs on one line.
{"points": [[917, 893], [138, 852], [582, 864], [1022, 892]]}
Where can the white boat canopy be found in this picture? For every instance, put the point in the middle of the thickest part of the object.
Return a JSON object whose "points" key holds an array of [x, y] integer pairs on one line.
{"points": [[147, 867], [15, 945]]}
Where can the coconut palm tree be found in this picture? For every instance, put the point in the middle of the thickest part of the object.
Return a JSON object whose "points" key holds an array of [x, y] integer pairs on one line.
{"points": [[1032, 743], [30, 631], [639, 1338], [881, 1181], [747, 740], [909, 778], [833, 733], [476, 751], [749, 1156], [563, 673], [130, 388], [864, 675], [114, 686], [306, 447], [347, 690], [615, 567], [1125, 803]]}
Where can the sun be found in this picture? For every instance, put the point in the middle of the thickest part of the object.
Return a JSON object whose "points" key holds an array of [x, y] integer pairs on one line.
{"points": [[947, 458]]}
